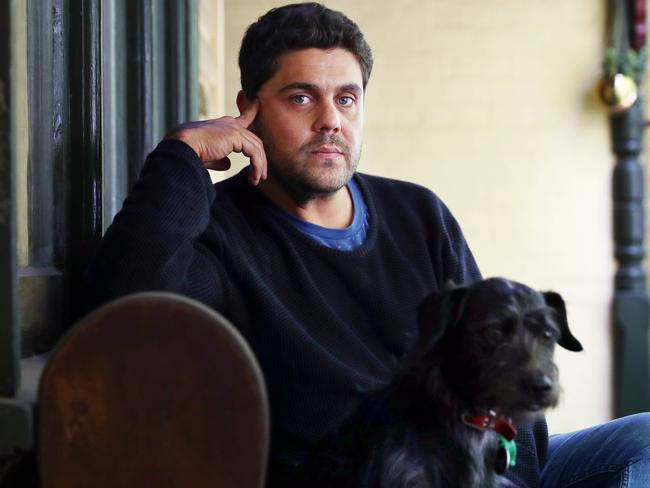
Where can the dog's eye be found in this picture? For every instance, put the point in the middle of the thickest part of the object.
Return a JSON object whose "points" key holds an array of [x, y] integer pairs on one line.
{"points": [[493, 334], [549, 335]]}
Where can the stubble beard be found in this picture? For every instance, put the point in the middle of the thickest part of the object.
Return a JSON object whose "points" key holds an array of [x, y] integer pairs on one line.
{"points": [[304, 182]]}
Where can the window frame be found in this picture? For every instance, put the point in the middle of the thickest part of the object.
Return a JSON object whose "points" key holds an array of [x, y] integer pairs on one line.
{"points": [[97, 59]]}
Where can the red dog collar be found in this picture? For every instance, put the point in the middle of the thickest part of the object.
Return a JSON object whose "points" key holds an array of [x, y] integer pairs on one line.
{"points": [[490, 420]]}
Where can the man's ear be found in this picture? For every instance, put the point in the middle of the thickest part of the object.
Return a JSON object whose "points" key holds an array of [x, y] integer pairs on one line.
{"points": [[243, 102]]}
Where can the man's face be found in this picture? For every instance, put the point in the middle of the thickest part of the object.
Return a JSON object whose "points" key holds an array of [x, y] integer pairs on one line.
{"points": [[310, 119]]}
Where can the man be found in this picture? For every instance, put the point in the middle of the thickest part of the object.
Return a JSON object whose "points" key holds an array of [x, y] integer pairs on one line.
{"points": [[320, 267]]}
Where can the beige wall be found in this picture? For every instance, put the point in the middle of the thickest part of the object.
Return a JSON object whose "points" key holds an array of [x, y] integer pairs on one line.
{"points": [[491, 105], [20, 140]]}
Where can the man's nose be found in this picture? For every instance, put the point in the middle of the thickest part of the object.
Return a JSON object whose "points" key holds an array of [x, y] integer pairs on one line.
{"points": [[328, 118]]}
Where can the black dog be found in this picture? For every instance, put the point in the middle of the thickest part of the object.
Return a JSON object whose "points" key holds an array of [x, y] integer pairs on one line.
{"points": [[486, 361]]}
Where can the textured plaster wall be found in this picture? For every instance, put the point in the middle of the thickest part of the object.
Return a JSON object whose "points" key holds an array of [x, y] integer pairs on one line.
{"points": [[491, 105], [20, 139]]}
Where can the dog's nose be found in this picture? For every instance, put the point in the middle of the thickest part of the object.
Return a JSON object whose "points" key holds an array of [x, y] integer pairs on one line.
{"points": [[539, 385]]}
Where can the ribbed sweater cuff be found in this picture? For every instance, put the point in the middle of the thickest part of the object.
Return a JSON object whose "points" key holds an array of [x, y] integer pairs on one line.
{"points": [[177, 148]]}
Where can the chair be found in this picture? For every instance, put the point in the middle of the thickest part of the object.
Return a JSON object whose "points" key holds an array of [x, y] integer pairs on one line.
{"points": [[153, 389]]}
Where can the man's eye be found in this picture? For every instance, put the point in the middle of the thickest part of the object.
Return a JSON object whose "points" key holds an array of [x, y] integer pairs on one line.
{"points": [[345, 101], [300, 99]]}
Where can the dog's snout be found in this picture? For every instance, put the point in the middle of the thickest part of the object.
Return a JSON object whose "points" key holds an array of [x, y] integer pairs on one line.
{"points": [[539, 385]]}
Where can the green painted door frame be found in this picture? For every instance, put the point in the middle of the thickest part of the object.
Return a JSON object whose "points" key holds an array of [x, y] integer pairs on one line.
{"points": [[15, 415], [106, 79], [9, 336]]}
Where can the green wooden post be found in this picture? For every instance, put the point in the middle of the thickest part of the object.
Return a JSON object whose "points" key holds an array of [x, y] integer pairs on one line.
{"points": [[624, 67], [9, 335], [41, 277], [85, 199], [631, 308], [150, 60], [182, 62], [161, 73], [15, 415]]}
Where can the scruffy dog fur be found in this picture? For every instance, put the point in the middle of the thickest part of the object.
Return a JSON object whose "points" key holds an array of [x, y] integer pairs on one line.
{"points": [[487, 353]]}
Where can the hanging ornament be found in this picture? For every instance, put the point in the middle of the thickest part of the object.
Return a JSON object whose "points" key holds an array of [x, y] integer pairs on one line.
{"points": [[619, 92], [624, 62]]}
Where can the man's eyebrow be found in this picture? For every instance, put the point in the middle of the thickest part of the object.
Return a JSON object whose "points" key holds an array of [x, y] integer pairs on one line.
{"points": [[298, 86], [351, 87], [310, 87]]}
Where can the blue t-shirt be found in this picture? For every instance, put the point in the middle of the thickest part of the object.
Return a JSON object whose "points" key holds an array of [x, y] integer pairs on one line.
{"points": [[346, 239]]}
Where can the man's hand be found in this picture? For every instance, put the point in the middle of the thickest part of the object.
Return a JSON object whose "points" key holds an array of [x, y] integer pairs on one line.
{"points": [[213, 140]]}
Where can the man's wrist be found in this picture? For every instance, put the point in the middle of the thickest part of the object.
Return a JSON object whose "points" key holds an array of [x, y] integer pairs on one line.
{"points": [[184, 136]]}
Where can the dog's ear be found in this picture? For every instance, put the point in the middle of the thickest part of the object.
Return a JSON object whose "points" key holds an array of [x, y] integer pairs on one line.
{"points": [[567, 340], [437, 313]]}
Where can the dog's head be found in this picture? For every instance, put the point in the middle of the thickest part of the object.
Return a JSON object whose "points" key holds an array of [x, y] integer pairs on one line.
{"points": [[494, 344]]}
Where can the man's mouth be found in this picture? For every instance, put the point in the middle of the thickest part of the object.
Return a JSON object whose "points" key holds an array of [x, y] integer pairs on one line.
{"points": [[327, 150], [331, 146]]}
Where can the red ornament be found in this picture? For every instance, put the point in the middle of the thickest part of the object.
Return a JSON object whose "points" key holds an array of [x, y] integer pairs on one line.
{"points": [[639, 29]]}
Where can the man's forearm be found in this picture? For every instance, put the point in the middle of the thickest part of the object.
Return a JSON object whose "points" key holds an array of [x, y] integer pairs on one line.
{"points": [[150, 244]]}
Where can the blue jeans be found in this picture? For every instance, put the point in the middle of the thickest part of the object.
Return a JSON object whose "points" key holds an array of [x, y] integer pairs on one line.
{"points": [[612, 455]]}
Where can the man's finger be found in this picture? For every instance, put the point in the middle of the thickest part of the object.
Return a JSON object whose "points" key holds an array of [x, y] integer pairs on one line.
{"points": [[248, 115], [257, 170], [253, 148]]}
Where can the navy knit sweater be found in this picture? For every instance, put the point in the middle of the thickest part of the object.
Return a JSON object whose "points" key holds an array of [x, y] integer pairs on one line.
{"points": [[327, 326]]}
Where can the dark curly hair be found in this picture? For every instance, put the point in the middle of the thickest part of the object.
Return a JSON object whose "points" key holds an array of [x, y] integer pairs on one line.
{"points": [[291, 28]]}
